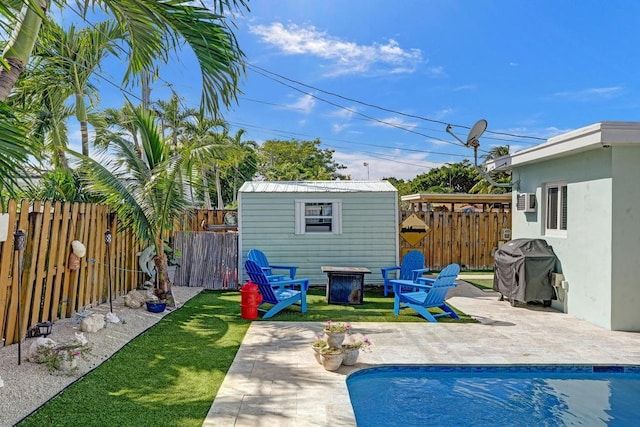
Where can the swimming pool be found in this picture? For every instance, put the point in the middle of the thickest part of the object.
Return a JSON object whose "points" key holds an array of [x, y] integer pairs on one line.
{"points": [[496, 395]]}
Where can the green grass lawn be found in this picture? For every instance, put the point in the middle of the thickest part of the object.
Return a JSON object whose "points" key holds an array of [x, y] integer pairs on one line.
{"points": [[170, 374], [484, 284]]}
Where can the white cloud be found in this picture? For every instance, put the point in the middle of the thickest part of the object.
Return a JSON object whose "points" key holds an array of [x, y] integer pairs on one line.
{"points": [[339, 127], [396, 122], [396, 163], [439, 115], [347, 57], [437, 71], [465, 87], [305, 103], [590, 93], [344, 113]]}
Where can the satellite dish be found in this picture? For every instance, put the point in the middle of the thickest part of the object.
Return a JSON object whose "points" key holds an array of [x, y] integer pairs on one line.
{"points": [[476, 131]]}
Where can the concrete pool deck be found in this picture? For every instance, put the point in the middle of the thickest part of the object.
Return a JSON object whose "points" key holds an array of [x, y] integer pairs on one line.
{"points": [[275, 379]]}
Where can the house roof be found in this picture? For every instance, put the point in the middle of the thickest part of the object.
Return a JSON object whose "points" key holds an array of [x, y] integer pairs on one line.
{"points": [[316, 187], [596, 136]]}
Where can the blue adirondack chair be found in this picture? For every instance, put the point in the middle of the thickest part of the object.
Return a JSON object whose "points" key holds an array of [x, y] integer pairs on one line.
{"points": [[260, 258], [280, 294], [426, 293], [411, 268]]}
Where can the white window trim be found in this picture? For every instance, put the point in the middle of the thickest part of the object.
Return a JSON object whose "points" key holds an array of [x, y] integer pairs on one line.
{"points": [[555, 232], [336, 216]]}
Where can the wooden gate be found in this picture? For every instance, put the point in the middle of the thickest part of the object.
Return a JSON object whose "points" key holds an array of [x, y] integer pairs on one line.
{"points": [[468, 239], [208, 259]]}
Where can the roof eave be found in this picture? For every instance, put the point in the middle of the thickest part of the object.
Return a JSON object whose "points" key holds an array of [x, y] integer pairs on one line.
{"points": [[595, 136]]}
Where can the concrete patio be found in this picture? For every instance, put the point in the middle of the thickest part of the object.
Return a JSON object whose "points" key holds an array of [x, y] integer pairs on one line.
{"points": [[276, 381]]}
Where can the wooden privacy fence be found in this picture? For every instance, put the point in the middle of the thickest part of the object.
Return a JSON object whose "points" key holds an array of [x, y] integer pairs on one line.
{"points": [[208, 260], [468, 239], [49, 289]]}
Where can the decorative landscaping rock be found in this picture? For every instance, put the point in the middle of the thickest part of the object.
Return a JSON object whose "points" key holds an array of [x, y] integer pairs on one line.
{"points": [[93, 323], [135, 298], [33, 355]]}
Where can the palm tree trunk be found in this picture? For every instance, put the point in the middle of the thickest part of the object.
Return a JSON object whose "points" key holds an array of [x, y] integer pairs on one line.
{"points": [[81, 115], [162, 267], [20, 46], [205, 185], [218, 189]]}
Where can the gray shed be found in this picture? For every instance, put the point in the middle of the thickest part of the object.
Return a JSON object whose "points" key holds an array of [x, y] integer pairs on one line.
{"points": [[312, 224]]}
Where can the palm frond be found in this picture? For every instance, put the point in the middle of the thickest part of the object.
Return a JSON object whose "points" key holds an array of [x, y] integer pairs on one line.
{"points": [[155, 28]]}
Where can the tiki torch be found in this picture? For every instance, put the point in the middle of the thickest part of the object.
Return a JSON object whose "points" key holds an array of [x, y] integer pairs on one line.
{"points": [[107, 240], [19, 245]]}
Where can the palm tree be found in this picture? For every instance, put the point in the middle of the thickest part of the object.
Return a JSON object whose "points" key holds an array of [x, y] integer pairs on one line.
{"points": [[204, 130], [39, 100], [15, 147], [483, 186], [121, 119], [153, 29], [148, 193], [73, 56]]}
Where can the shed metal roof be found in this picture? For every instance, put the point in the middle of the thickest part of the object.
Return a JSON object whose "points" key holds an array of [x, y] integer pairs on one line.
{"points": [[317, 187]]}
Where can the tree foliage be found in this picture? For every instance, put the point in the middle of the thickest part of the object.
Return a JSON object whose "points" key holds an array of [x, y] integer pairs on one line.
{"points": [[297, 161], [450, 178]]}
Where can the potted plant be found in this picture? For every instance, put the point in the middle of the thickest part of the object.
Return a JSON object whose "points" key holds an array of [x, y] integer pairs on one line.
{"points": [[335, 333], [352, 349], [318, 344], [331, 357]]}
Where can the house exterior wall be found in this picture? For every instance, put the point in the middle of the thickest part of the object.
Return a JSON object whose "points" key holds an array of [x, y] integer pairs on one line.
{"points": [[369, 232], [625, 254], [585, 253]]}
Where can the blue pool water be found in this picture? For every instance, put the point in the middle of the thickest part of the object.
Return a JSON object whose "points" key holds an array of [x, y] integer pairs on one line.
{"points": [[507, 395]]}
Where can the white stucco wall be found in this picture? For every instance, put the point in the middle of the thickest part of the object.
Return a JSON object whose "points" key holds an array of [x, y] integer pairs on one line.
{"points": [[585, 252], [625, 274], [601, 250]]}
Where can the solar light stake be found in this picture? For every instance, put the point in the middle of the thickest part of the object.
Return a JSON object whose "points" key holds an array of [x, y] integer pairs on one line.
{"points": [[19, 245], [107, 240]]}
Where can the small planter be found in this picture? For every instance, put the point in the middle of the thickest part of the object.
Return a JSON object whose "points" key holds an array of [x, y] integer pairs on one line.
{"points": [[316, 353], [350, 356], [334, 339], [332, 361], [156, 307]]}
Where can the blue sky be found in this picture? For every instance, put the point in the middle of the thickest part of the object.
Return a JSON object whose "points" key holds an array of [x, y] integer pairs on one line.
{"points": [[377, 81]]}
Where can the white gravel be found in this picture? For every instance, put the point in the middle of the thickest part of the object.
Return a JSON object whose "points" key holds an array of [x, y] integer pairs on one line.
{"points": [[29, 385]]}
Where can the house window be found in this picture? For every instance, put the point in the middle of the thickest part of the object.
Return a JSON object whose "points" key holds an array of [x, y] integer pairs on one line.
{"points": [[556, 212], [318, 216]]}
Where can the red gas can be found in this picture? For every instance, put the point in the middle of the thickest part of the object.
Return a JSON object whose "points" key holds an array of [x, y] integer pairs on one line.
{"points": [[250, 300]]}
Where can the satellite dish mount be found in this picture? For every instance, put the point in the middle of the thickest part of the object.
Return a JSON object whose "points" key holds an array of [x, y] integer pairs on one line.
{"points": [[473, 140]]}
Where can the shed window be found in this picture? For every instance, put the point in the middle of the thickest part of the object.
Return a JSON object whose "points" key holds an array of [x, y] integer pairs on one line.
{"points": [[318, 216], [556, 209]]}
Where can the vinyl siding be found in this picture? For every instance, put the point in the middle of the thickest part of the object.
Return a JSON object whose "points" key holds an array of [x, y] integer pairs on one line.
{"points": [[369, 232]]}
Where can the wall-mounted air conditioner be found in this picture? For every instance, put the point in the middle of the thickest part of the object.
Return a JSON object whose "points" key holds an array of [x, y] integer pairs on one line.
{"points": [[526, 202]]}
